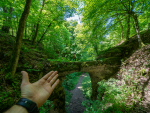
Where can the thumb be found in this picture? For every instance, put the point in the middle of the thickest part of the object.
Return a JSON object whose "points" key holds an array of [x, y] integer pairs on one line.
{"points": [[25, 77]]}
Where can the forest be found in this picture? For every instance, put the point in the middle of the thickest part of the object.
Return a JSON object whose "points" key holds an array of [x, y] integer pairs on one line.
{"points": [[44, 30]]}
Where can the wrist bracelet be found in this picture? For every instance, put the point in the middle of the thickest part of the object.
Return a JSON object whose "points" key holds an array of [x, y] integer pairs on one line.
{"points": [[28, 104]]}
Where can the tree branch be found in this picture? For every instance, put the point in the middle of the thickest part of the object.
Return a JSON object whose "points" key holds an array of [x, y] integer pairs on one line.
{"points": [[132, 5], [142, 7], [124, 5]]}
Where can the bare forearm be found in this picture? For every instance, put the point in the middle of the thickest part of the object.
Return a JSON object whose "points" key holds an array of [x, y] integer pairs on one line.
{"points": [[17, 109]]}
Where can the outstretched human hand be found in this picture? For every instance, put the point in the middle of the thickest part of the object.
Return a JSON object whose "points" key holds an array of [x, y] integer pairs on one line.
{"points": [[39, 91]]}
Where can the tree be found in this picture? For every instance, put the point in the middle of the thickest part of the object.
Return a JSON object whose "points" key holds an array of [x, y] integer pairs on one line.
{"points": [[44, 33], [37, 26], [128, 27], [121, 26], [108, 12], [131, 12], [71, 26], [8, 15], [17, 46]]}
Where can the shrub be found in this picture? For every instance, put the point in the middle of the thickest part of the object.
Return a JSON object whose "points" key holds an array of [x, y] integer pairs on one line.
{"points": [[111, 98], [45, 108], [71, 80]]}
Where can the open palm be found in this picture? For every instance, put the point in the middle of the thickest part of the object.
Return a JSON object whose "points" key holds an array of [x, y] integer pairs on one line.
{"points": [[39, 91]]}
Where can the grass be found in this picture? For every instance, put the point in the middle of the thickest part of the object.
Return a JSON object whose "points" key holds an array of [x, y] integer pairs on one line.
{"points": [[86, 86]]}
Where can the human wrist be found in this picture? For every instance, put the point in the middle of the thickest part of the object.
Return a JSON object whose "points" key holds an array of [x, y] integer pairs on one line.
{"points": [[29, 105], [21, 108], [31, 99], [17, 109]]}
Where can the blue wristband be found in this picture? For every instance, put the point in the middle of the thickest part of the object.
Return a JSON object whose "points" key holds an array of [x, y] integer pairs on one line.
{"points": [[28, 104]]}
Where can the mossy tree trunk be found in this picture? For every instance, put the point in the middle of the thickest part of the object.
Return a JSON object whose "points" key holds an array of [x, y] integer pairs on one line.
{"points": [[17, 46]]}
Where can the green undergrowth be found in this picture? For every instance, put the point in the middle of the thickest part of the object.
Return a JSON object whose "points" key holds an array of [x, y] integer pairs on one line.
{"points": [[9, 90], [114, 96], [46, 107], [86, 86], [71, 80], [110, 99], [68, 97], [62, 59]]}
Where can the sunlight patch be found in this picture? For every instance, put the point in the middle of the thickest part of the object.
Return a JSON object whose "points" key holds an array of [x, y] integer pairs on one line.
{"points": [[79, 87]]}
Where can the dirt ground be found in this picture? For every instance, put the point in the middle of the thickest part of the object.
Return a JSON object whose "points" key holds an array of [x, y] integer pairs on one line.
{"points": [[140, 61], [77, 98]]}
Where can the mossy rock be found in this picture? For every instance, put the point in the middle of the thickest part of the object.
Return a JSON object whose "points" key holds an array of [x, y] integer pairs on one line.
{"points": [[112, 61], [145, 36]]}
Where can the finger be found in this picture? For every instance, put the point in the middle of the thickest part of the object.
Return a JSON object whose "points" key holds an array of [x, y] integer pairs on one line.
{"points": [[55, 84], [47, 75], [51, 77], [53, 80], [25, 77]]}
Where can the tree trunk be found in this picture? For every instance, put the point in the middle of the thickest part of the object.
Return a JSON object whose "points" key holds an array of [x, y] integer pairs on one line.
{"points": [[17, 46], [36, 32], [26, 31], [33, 31], [44, 34], [96, 48], [12, 32], [16, 27], [121, 27], [128, 27], [121, 30], [137, 29]]}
